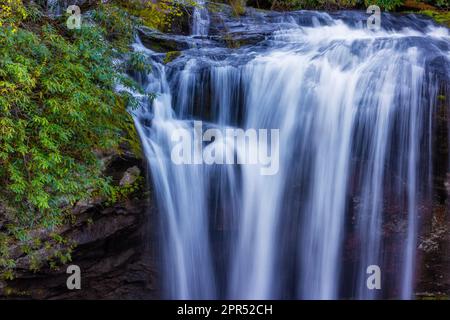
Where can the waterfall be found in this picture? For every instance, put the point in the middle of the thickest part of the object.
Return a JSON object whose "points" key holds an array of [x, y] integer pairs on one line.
{"points": [[354, 109], [200, 19]]}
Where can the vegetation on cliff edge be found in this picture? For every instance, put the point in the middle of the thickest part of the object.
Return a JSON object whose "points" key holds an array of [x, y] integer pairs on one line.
{"points": [[58, 111]]}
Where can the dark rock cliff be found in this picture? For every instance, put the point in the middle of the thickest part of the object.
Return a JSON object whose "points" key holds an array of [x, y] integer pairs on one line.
{"points": [[115, 249]]}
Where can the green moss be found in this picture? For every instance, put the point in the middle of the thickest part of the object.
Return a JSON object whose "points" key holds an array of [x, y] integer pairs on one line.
{"points": [[171, 55], [159, 15], [117, 25], [148, 16], [231, 42], [441, 17], [238, 7]]}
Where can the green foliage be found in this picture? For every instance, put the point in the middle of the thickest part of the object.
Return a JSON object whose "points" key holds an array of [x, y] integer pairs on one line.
{"points": [[11, 12], [238, 7], [116, 24], [7, 264], [385, 4], [138, 62], [159, 14], [348, 3], [57, 106], [118, 193], [58, 109], [443, 4], [442, 17]]}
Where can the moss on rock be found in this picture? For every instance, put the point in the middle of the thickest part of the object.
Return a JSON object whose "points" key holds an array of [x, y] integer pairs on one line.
{"points": [[171, 55]]}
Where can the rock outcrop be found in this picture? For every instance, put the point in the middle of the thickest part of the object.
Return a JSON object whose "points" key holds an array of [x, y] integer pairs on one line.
{"points": [[114, 248]]}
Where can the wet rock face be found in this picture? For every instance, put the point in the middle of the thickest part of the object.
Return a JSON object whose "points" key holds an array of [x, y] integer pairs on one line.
{"points": [[434, 243], [162, 42], [434, 248], [114, 251]]}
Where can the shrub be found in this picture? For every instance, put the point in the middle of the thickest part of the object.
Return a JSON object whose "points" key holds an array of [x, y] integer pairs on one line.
{"points": [[11, 11], [58, 109], [157, 15], [385, 4]]}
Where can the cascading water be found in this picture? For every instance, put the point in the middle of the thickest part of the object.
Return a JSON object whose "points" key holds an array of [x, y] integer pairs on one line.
{"points": [[354, 109], [200, 19]]}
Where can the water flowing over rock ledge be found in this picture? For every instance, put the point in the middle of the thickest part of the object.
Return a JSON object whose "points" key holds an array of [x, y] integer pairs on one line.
{"points": [[240, 73]]}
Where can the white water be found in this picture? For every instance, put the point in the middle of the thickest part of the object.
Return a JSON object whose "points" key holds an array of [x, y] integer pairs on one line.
{"points": [[200, 19], [354, 110]]}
